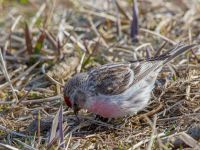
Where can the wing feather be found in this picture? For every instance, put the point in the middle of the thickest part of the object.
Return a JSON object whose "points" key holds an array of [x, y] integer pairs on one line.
{"points": [[111, 79], [144, 69]]}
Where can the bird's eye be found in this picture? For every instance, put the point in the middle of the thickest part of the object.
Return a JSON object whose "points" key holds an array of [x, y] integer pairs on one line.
{"points": [[67, 101]]}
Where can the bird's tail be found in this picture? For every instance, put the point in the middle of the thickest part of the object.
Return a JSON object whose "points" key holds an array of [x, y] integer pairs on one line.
{"points": [[170, 54], [161, 60], [173, 53]]}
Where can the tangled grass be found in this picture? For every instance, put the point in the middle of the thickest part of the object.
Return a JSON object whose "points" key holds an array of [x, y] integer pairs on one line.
{"points": [[44, 43]]}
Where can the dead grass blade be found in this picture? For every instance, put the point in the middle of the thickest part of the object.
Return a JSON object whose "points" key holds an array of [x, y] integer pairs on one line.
{"points": [[55, 125], [38, 129], [28, 147], [25, 73], [37, 15], [39, 43], [189, 140], [68, 142], [28, 38], [134, 22], [145, 141], [60, 127], [41, 100], [17, 20], [74, 36], [153, 125], [159, 35], [122, 10], [4, 70], [8, 131], [73, 39], [9, 147]]}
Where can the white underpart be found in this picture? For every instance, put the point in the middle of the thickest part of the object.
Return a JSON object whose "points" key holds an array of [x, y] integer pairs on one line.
{"points": [[139, 94], [134, 98]]}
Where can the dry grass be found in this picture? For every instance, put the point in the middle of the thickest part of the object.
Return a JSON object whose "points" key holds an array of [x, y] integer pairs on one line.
{"points": [[44, 43]]}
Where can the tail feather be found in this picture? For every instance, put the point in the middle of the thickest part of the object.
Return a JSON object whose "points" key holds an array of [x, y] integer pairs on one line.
{"points": [[166, 54], [177, 51], [170, 54], [161, 60]]}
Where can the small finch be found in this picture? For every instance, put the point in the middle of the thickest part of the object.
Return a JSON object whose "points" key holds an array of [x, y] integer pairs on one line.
{"points": [[117, 89]]}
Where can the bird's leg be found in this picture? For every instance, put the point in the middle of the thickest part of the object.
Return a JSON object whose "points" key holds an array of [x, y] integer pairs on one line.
{"points": [[76, 110], [76, 114]]}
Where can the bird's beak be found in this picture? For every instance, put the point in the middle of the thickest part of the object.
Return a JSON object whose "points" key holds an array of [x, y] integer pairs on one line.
{"points": [[76, 109]]}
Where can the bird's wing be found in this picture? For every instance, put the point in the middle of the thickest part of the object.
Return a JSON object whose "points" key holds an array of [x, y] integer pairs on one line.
{"points": [[144, 69], [110, 79], [114, 79]]}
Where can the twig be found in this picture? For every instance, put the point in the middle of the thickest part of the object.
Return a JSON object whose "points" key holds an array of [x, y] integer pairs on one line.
{"points": [[11, 30], [3, 67], [178, 117], [48, 76], [73, 39], [38, 129], [20, 76], [68, 142], [118, 24], [145, 141], [159, 35], [97, 32], [153, 135], [38, 14], [159, 50], [150, 113], [60, 126], [122, 10], [81, 63], [177, 103], [8, 131], [102, 15], [49, 17], [36, 101], [25, 145], [8, 146], [142, 46]]}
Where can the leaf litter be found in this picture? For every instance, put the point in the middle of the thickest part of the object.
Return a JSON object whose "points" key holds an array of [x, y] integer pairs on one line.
{"points": [[44, 43]]}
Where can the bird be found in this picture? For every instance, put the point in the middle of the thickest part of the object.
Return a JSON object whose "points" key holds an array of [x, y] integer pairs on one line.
{"points": [[117, 89]]}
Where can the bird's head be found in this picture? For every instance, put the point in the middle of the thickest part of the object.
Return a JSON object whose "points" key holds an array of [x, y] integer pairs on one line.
{"points": [[72, 104], [73, 94]]}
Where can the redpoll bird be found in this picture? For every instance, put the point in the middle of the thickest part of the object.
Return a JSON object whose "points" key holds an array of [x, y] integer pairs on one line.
{"points": [[117, 89]]}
